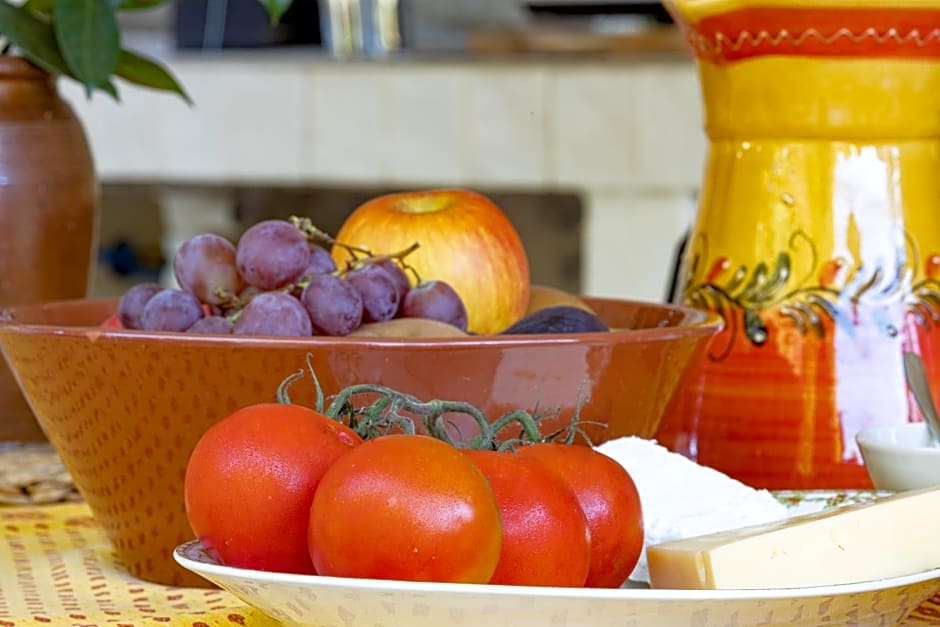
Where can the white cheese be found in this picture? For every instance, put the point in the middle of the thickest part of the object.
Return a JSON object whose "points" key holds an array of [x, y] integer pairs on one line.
{"points": [[681, 499], [890, 537]]}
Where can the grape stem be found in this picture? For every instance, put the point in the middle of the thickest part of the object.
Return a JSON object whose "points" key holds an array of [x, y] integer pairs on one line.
{"points": [[414, 271], [317, 235], [394, 410], [396, 256]]}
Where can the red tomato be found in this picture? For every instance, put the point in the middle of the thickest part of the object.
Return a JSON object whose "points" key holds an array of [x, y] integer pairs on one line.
{"points": [[250, 481], [610, 501], [546, 541], [406, 507]]}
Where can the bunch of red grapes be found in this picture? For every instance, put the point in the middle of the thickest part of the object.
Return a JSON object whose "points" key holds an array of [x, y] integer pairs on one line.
{"points": [[279, 280]]}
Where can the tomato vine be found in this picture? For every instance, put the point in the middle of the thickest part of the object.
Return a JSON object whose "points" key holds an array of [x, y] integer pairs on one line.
{"points": [[389, 410]]}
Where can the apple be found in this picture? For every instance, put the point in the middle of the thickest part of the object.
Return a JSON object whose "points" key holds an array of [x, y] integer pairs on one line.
{"points": [[464, 239]]}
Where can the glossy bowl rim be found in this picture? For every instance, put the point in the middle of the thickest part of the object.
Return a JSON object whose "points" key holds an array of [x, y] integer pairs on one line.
{"points": [[701, 322]]}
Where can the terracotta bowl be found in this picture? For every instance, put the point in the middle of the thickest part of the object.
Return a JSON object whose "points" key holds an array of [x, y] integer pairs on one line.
{"points": [[125, 408]]}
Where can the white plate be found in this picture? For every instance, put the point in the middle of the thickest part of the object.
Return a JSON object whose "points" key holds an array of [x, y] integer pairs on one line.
{"points": [[340, 602]]}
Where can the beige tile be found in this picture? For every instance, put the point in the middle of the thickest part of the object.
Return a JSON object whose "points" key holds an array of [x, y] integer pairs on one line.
{"points": [[428, 131], [592, 125], [668, 129], [244, 124], [571, 125], [629, 242], [507, 123], [123, 137], [346, 134]]}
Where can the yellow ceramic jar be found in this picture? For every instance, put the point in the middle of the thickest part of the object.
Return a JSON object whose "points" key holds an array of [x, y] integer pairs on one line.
{"points": [[818, 233]]}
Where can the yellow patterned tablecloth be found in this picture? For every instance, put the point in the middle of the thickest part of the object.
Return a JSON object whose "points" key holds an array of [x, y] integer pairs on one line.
{"points": [[58, 568]]}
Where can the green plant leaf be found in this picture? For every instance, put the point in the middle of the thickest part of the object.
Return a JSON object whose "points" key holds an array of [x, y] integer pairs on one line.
{"points": [[33, 37], [111, 89], [43, 7], [88, 37], [276, 8], [35, 40], [142, 71], [136, 5]]}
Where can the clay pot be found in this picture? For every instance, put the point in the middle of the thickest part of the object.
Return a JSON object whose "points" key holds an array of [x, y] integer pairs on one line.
{"points": [[48, 198]]}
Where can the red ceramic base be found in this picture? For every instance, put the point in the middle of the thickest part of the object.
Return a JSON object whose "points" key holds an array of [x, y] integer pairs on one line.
{"points": [[784, 414]]}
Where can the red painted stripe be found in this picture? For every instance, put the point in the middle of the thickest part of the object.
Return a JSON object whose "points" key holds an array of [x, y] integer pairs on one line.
{"points": [[815, 31]]}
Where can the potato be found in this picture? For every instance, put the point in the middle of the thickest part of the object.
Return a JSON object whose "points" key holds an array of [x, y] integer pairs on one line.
{"points": [[543, 296], [408, 327]]}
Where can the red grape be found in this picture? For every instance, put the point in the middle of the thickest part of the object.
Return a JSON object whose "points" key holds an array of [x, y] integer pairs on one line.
{"points": [[132, 303], [334, 305], [273, 313], [272, 254], [205, 267], [218, 325], [321, 262], [378, 291], [398, 275], [436, 300], [171, 310]]}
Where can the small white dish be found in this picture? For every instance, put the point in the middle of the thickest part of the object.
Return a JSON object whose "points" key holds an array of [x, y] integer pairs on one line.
{"points": [[900, 457]]}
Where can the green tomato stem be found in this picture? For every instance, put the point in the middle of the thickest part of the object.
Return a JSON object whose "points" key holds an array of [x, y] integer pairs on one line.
{"points": [[390, 409]]}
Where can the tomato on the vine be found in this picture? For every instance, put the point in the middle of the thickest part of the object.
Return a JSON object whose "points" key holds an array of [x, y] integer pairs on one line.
{"points": [[610, 502], [251, 479], [406, 507], [546, 541]]}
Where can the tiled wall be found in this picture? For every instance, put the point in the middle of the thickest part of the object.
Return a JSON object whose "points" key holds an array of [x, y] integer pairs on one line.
{"points": [[625, 136], [558, 124]]}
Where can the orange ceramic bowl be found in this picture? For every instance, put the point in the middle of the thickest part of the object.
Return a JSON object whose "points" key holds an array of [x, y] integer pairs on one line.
{"points": [[124, 409]]}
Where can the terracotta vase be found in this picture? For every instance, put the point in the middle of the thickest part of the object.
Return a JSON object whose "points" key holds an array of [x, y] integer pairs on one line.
{"points": [[48, 198], [818, 232]]}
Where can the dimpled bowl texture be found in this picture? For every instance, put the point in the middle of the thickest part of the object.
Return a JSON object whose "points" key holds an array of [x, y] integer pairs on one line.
{"points": [[124, 409], [900, 457]]}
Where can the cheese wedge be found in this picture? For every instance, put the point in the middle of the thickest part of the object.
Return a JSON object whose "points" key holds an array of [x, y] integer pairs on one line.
{"points": [[890, 537]]}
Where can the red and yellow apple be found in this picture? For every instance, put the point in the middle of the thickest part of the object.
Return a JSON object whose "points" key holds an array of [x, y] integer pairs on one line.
{"points": [[464, 239]]}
